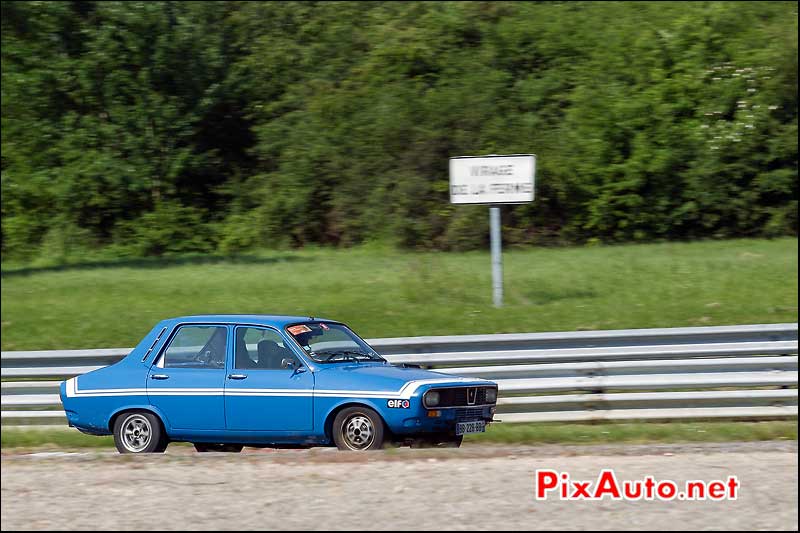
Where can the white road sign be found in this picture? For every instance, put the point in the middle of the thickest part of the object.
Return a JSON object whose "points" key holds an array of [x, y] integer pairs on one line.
{"points": [[496, 179]]}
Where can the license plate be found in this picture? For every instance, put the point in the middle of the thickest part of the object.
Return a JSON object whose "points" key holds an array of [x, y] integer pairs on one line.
{"points": [[462, 428]]}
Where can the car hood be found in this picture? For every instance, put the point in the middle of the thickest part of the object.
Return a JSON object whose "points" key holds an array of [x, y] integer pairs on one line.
{"points": [[383, 378]]}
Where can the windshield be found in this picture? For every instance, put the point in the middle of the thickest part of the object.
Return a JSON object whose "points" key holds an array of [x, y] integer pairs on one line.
{"points": [[327, 342]]}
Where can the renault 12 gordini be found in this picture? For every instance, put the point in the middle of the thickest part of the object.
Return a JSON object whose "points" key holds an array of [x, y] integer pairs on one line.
{"points": [[223, 382]]}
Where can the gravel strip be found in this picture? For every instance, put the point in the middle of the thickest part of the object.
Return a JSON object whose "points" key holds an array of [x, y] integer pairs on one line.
{"points": [[476, 487]]}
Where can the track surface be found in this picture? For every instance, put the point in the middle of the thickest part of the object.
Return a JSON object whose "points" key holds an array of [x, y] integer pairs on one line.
{"points": [[476, 487]]}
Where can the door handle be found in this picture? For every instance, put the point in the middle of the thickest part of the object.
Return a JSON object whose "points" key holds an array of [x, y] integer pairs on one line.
{"points": [[237, 376], [159, 376]]}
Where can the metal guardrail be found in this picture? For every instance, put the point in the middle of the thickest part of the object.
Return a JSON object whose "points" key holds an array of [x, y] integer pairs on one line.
{"points": [[674, 373]]}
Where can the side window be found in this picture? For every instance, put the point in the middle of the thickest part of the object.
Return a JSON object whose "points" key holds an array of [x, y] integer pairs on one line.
{"points": [[196, 347], [261, 348]]}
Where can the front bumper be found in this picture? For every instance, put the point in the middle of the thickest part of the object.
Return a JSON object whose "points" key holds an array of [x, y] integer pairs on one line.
{"points": [[446, 420]]}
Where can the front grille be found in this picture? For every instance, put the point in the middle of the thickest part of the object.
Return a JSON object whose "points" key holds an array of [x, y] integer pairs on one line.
{"points": [[459, 396], [469, 414]]}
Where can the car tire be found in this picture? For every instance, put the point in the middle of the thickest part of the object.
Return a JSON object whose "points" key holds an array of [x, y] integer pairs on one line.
{"points": [[204, 447], [358, 429], [162, 447], [139, 432]]}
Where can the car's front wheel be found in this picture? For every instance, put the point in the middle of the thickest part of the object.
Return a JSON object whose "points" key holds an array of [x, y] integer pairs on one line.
{"points": [[358, 429], [139, 432]]}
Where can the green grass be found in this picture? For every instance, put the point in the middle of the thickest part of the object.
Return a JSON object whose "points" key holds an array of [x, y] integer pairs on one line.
{"points": [[57, 438], [550, 433], [636, 432], [384, 292]]}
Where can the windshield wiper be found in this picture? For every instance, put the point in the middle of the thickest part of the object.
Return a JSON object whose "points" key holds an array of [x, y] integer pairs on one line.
{"points": [[349, 355], [370, 356], [345, 355]]}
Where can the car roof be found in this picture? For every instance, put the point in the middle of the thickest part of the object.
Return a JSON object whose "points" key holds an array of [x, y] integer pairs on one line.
{"points": [[270, 320]]}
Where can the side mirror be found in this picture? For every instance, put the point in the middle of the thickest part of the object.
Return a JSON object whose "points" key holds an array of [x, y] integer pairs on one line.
{"points": [[293, 364]]}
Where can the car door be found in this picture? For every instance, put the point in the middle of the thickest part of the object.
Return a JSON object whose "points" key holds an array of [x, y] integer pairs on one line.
{"points": [[186, 383], [267, 388]]}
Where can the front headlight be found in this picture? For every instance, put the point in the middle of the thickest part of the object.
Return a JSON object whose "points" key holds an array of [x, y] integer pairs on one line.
{"points": [[491, 395], [431, 398]]}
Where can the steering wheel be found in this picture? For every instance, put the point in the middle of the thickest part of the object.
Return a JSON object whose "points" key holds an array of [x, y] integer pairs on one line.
{"points": [[204, 357]]}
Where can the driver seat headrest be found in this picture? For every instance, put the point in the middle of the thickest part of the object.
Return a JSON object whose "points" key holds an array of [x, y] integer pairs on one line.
{"points": [[270, 354]]}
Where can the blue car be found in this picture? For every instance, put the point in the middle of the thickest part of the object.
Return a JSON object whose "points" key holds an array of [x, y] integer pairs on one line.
{"points": [[223, 382]]}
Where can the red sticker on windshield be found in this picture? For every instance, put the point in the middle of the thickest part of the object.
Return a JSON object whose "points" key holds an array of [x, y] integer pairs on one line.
{"points": [[324, 326], [297, 330]]}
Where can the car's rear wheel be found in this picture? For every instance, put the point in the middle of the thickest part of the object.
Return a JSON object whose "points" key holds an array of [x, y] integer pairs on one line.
{"points": [[139, 432], [203, 447], [358, 429]]}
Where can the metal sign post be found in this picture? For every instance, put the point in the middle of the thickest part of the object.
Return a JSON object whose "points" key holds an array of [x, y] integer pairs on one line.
{"points": [[497, 256], [493, 180]]}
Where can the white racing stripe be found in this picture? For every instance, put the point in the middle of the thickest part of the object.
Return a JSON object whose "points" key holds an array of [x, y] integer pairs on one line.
{"points": [[405, 392]]}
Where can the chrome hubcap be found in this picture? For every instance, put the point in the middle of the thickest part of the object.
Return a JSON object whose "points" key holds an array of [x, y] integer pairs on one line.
{"points": [[358, 432], [136, 433]]}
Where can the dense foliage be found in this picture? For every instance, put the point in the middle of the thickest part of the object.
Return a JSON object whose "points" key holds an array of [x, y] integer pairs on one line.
{"points": [[147, 128]]}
